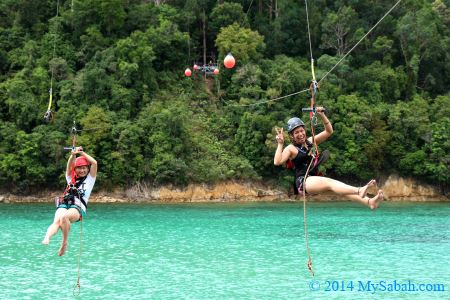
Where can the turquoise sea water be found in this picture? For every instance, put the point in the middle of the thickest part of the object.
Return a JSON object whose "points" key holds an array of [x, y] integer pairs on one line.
{"points": [[229, 251]]}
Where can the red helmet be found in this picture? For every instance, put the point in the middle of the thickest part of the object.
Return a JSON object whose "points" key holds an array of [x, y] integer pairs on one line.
{"points": [[81, 161]]}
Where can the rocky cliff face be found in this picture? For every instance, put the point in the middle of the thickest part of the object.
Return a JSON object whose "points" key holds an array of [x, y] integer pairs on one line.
{"points": [[395, 189], [398, 188], [222, 192]]}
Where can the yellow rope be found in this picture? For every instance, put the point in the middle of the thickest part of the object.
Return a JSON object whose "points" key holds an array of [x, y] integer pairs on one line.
{"points": [[312, 70], [50, 98]]}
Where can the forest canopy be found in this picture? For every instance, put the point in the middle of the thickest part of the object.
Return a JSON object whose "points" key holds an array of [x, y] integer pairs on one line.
{"points": [[116, 69]]}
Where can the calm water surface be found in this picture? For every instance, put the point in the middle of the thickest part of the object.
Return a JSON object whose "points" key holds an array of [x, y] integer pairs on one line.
{"points": [[229, 251]]}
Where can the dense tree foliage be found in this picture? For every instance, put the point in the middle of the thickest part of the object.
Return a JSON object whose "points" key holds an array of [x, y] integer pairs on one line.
{"points": [[116, 70]]}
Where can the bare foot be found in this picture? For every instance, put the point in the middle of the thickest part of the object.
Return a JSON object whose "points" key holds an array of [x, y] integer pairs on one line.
{"points": [[46, 241], [362, 191], [62, 249], [374, 202]]}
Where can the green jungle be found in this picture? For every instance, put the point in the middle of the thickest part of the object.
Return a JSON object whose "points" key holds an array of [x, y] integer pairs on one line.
{"points": [[116, 69]]}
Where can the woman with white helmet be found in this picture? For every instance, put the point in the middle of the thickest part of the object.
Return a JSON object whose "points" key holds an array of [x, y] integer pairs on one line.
{"points": [[299, 152]]}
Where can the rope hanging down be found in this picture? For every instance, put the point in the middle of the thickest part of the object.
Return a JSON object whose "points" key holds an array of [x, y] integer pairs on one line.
{"points": [[48, 116], [313, 88], [77, 287], [315, 153]]}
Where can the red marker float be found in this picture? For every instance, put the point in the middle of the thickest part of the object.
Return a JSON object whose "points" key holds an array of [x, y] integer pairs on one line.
{"points": [[188, 72], [229, 61]]}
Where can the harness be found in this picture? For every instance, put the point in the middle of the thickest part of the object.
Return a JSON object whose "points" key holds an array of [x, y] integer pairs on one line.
{"points": [[300, 165], [303, 159], [67, 200]]}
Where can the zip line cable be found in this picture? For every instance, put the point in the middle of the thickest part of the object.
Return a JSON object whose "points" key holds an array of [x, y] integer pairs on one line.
{"points": [[338, 63], [271, 100], [371, 29]]}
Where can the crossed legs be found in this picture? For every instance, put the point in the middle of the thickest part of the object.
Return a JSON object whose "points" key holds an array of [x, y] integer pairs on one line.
{"points": [[63, 219], [318, 184]]}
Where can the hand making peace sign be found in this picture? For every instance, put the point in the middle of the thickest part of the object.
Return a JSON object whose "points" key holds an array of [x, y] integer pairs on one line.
{"points": [[280, 136]]}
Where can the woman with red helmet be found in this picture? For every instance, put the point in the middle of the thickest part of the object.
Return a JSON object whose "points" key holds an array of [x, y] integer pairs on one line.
{"points": [[81, 172], [299, 152]]}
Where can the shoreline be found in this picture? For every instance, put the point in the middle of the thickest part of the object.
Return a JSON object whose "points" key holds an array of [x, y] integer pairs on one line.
{"points": [[114, 198], [395, 189]]}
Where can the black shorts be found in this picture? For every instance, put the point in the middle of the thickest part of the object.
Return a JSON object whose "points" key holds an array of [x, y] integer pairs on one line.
{"points": [[299, 184]]}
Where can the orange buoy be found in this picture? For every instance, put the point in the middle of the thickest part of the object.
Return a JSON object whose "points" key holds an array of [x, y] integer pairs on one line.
{"points": [[188, 72], [229, 61]]}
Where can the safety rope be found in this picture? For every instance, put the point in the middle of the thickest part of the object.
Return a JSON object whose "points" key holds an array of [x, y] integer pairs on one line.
{"points": [[305, 223], [314, 89], [314, 159], [77, 287]]}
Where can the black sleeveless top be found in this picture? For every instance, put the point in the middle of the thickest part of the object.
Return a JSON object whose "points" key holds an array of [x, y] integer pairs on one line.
{"points": [[303, 159]]}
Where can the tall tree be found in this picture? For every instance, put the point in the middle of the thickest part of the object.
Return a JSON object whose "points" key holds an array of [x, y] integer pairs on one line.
{"points": [[340, 30]]}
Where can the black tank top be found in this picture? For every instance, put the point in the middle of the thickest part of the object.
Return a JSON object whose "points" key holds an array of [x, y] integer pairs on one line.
{"points": [[303, 159]]}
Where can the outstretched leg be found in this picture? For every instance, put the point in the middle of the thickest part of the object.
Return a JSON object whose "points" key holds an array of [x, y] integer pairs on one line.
{"points": [[375, 201], [317, 184], [370, 202], [362, 191], [69, 217]]}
